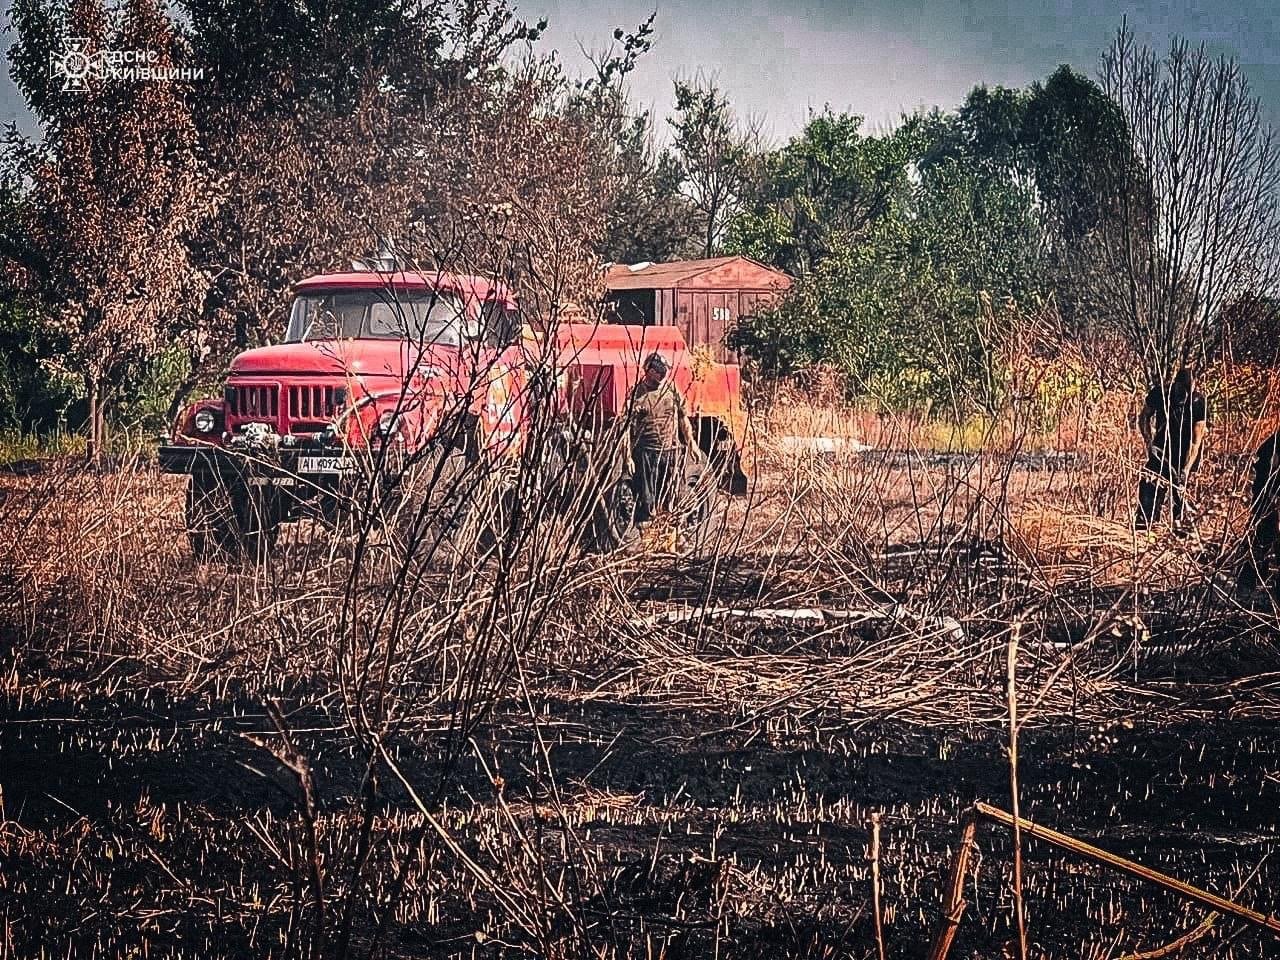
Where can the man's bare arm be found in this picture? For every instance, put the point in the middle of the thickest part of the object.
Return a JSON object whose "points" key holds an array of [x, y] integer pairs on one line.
{"points": [[686, 432], [1146, 417], [683, 428], [1198, 431]]}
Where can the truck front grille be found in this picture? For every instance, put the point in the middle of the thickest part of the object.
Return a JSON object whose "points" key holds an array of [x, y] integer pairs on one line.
{"points": [[315, 402], [253, 401]]}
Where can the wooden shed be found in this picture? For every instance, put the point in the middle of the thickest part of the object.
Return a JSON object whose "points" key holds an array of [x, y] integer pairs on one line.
{"points": [[704, 298]]}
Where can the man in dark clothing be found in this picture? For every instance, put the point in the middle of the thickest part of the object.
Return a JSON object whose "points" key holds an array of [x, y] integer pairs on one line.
{"points": [[1173, 423], [659, 428], [1262, 541]]}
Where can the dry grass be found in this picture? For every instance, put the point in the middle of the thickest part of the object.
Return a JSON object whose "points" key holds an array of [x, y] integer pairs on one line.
{"points": [[654, 753]]}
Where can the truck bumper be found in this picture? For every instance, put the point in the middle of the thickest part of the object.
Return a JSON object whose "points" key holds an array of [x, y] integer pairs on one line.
{"points": [[282, 464]]}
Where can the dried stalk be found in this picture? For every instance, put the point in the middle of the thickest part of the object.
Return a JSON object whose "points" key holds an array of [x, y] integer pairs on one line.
{"points": [[953, 909], [874, 856], [1012, 689]]}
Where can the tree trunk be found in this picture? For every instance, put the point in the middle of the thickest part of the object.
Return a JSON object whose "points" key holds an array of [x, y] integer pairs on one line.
{"points": [[182, 393], [102, 421], [95, 441], [91, 443]]}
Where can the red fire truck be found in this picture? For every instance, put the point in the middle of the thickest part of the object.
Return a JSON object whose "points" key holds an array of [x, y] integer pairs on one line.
{"points": [[374, 361]]}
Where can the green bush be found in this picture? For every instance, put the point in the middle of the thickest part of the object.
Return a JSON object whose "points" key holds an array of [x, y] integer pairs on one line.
{"points": [[34, 396], [911, 313]]}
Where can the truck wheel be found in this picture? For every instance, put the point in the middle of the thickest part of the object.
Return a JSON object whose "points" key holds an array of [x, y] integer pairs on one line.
{"points": [[500, 513], [695, 512], [258, 525], [614, 518], [212, 524], [225, 519], [723, 456]]}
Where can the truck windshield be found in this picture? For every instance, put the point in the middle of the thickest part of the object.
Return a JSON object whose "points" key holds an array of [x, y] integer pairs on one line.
{"points": [[421, 317]]}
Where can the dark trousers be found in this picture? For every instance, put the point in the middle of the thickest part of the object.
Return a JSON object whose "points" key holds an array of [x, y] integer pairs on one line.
{"points": [[1263, 550], [1163, 476], [654, 481], [1262, 543]]}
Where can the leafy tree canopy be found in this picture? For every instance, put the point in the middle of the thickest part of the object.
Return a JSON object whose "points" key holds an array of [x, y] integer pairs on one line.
{"points": [[822, 190]]}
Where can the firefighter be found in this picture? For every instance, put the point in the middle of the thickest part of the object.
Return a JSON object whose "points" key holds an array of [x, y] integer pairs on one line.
{"points": [[1173, 421], [1262, 545], [660, 438]]}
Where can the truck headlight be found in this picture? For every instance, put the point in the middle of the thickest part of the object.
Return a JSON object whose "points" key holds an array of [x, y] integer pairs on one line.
{"points": [[205, 421], [388, 424]]}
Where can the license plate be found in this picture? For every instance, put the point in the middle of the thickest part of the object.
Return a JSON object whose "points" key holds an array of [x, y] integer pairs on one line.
{"points": [[325, 464]]}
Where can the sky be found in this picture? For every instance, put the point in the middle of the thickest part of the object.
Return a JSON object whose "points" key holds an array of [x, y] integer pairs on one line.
{"points": [[777, 59]]}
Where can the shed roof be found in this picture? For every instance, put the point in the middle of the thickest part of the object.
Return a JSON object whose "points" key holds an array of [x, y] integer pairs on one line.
{"points": [[726, 272]]}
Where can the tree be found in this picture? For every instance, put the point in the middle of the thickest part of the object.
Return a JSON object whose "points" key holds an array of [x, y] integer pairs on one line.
{"points": [[116, 190], [273, 57], [1073, 133], [911, 312], [822, 190], [483, 137], [1251, 331], [648, 216], [1190, 223], [715, 156], [985, 134]]}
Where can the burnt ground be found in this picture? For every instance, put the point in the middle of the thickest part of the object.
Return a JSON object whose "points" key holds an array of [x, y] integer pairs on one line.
{"points": [[143, 815], [652, 792]]}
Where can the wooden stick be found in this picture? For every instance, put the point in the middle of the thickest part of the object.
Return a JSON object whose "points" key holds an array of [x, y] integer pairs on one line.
{"points": [[1134, 869], [955, 891], [874, 856], [1178, 945], [1012, 676]]}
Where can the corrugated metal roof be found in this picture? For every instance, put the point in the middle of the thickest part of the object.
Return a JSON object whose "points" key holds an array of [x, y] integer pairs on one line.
{"points": [[673, 274]]}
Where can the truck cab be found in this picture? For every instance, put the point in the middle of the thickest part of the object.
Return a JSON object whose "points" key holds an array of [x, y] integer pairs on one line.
{"points": [[365, 355]]}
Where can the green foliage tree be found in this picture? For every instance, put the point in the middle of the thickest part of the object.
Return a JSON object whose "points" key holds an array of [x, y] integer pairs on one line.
{"points": [[911, 311], [28, 397], [33, 399], [649, 217], [911, 247], [1072, 133], [984, 133], [273, 57], [822, 190]]}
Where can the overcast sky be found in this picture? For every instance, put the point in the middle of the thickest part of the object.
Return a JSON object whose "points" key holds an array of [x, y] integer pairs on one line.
{"points": [[778, 58]]}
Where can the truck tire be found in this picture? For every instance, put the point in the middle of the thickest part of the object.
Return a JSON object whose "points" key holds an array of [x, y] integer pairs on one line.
{"points": [[613, 520], [450, 504], [501, 515], [212, 525], [723, 456], [224, 520], [694, 509]]}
